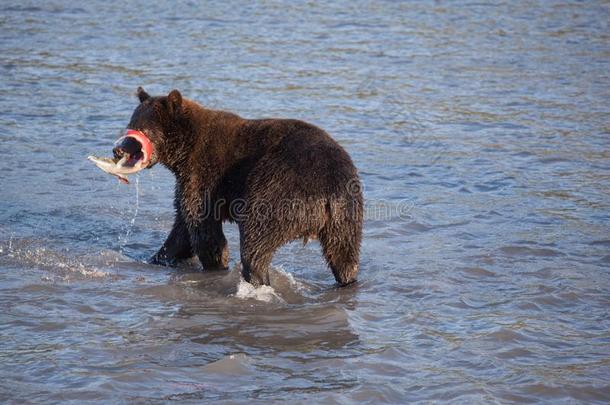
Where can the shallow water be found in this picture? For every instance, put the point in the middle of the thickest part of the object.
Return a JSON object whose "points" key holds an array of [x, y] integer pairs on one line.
{"points": [[481, 132]]}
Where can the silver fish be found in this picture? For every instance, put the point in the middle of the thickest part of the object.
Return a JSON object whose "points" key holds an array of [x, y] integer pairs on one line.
{"points": [[117, 167]]}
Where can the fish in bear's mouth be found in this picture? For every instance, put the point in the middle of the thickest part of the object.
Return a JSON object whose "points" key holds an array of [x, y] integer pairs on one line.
{"points": [[132, 153]]}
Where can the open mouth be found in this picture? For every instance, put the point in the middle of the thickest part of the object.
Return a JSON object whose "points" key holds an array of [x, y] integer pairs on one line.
{"points": [[133, 149], [128, 151], [132, 153]]}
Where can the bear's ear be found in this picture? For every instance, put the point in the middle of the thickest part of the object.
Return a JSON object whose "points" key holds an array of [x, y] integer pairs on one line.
{"points": [[142, 95], [174, 101]]}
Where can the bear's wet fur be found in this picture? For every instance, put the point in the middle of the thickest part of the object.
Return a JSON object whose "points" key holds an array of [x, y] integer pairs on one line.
{"points": [[278, 179]]}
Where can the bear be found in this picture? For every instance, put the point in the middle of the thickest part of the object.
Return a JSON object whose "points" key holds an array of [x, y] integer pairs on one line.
{"points": [[278, 179]]}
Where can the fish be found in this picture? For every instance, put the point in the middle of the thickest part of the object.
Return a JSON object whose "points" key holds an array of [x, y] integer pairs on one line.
{"points": [[115, 167], [132, 153]]}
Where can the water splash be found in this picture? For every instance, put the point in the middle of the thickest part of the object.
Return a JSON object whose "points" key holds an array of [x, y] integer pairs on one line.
{"points": [[55, 264], [263, 293], [279, 272]]}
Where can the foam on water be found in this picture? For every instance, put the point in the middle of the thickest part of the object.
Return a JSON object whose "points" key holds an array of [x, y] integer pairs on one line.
{"points": [[263, 293], [286, 289]]}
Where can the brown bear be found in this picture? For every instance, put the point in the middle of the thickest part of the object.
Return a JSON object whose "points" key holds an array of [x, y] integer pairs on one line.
{"points": [[278, 179]]}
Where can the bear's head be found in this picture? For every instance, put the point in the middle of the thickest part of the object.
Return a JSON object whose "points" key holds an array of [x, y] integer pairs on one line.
{"points": [[153, 127]]}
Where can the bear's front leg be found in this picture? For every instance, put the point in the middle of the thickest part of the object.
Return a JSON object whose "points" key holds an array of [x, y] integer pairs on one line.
{"points": [[177, 246], [210, 245]]}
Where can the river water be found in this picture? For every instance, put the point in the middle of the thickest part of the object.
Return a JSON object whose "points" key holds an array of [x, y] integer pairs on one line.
{"points": [[482, 135]]}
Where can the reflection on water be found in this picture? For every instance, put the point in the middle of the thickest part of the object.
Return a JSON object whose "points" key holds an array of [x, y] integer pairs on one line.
{"points": [[486, 123]]}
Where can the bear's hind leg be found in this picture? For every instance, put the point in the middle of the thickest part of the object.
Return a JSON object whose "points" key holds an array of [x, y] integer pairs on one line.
{"points": [[340, 240]]}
